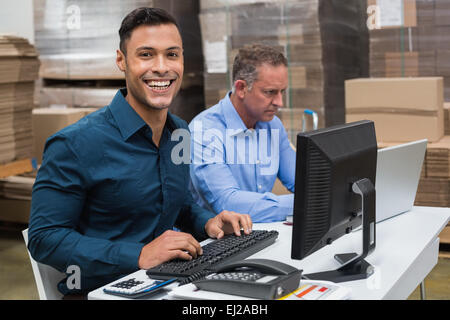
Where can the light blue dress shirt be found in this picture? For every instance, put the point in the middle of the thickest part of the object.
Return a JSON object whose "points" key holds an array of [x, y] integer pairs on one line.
{"points": [[234, 168]]}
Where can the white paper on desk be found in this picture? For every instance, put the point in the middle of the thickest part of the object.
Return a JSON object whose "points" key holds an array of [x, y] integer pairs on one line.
{"points": [[319, 290], [308, 290], [190, 291]]}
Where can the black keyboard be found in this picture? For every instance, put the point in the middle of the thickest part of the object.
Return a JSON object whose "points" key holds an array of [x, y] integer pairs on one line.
{"points": [[216, 253]]}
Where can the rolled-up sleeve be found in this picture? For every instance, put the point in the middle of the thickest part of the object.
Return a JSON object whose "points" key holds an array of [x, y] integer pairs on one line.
{"points": [[214, 183]]}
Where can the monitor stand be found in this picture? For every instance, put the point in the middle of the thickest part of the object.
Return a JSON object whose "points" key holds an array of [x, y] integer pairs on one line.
{"points": [[354, 267], [357, 270]]}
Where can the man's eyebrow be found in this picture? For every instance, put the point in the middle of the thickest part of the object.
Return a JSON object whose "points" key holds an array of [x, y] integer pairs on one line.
{"points": [[151, 48]]}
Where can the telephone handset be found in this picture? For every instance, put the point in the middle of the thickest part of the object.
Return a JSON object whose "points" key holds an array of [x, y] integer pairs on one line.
{"points": [[255, 278]]}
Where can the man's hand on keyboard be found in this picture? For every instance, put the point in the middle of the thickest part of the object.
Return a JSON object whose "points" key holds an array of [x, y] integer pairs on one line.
{"points": [[169, 245], [228, 222]]}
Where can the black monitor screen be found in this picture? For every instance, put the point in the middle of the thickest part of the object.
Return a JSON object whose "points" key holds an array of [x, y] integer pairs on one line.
{"points": [[329, 162]]}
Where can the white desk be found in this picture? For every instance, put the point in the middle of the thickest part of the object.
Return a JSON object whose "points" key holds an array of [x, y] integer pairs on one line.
{"points": [[407, 248]]}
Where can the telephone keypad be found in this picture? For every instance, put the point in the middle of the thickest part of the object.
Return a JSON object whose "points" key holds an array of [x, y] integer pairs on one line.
{"points": [[242, 276]]}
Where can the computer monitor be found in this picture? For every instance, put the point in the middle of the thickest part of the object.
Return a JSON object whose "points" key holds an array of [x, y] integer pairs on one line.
{"points": [[335, 193]]}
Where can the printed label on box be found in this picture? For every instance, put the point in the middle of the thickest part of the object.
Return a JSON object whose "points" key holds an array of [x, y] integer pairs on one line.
{"points": [[216, 56], [390, 13]]}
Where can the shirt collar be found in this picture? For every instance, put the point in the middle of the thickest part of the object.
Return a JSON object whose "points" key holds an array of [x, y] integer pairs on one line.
{"points": [[232, 118], [127, 119]]}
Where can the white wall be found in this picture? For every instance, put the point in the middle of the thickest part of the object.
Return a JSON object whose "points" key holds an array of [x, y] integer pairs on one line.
{"points": [[16, 18]]}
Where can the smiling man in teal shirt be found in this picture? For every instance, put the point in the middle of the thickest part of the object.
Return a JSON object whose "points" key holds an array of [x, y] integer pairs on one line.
{"points": [[108, 193]]}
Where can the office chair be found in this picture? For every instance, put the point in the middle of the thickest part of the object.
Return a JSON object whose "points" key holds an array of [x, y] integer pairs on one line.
{"points": [[46, 277]]}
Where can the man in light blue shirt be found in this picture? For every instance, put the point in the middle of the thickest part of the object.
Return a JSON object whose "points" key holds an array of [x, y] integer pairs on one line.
{"points": [[239, 147]]}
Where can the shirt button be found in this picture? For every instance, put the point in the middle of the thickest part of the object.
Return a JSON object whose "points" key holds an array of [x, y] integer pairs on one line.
{"points": [[258, 161], [259, 186]]}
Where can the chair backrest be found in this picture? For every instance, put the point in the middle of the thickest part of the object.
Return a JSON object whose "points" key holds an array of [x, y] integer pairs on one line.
{"points": [[46, 277]]}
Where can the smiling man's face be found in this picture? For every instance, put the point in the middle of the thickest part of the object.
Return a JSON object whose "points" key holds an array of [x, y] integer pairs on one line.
{"points": [[153, 65]]}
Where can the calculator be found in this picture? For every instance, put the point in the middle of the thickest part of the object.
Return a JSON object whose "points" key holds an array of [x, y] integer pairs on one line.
{"points": [[133, 288]]}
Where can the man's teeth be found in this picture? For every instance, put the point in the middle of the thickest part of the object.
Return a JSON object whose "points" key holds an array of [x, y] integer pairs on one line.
{"points": [[158, 84]]}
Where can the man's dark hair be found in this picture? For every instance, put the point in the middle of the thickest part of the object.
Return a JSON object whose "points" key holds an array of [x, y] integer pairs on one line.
{"points": [[142, 16]]}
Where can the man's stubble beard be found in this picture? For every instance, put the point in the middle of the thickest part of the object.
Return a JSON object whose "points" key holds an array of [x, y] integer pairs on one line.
{"points": [[141, 99], [147, 105]]}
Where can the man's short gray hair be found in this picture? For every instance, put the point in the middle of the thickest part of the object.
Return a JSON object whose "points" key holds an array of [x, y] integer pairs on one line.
{"points": [[250, 57]]}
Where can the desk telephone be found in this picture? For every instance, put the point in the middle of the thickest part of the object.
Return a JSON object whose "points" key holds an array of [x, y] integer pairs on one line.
{"points": [[255, 278]]}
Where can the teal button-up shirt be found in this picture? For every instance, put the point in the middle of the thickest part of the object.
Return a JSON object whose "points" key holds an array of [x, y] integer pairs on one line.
{"points": [[104, 190]]}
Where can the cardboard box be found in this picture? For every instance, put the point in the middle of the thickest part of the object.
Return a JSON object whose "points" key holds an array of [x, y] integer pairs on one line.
{"points": [[447, 118], [441, 12], [403, 109], [47, 121], [322, 50], [279, 189], [393, 15], [434, 189], [76, 97], [433, 192], [402, 64], [18, 60], [438, 159]]}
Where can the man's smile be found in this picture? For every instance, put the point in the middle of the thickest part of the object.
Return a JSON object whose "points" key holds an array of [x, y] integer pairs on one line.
{"points": [[159, 85]]}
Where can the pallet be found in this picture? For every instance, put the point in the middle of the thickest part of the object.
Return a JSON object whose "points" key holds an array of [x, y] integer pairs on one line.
{"points": [[17, 167]]}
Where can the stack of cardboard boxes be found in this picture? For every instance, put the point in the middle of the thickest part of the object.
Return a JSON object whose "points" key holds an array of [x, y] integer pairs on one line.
{"points": [[408, 109], [325, 43], [78, 40], [15, 191], [19, 66], [16, 187], [410, 38], [434, 187], [403, 109]]}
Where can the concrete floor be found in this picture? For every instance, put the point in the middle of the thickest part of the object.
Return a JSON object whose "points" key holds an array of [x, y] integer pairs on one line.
{"points": [[437, 283], [16, 275], [17, 280]]}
